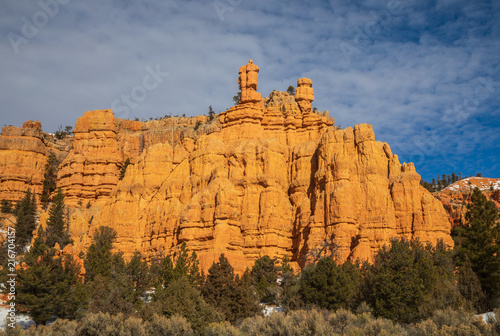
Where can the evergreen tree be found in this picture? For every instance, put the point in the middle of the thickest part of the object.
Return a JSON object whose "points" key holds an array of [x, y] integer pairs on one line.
{"points": [[49, 178], [426, 185], [195, 276], [116, 293], [211, 113], [291, 90], [228, 294], [444, 293], [402, 277], [121, 291], [123, 170], [139, 275], [477, 240], [38, 249], [99, 256], [470, 287], [182, 262], [166, 273], [57, 225], [329, 285], [6, 206], [236, 98], [26, 220], [180, 297], [185, 266], [290, 296], [264, 274], [49, 285]]}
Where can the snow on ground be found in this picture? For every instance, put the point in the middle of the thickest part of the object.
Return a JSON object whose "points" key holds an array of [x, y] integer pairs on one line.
{"points": [[23, 321], [483, 183], [487, 317], [268, 310]]}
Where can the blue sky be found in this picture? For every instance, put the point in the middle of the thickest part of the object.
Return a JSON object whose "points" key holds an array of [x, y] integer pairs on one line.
{"points": [[425, 74]]}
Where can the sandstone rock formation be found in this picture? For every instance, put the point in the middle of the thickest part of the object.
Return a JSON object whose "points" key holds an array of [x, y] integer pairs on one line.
{"points": [[23, 154], [276, 179], [249, 75], [269, 176], [91, 170], [456, 196]]}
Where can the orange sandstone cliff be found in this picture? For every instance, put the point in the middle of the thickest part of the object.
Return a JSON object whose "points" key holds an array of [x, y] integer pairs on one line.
{"points": [[23, 154], [267, 176]]}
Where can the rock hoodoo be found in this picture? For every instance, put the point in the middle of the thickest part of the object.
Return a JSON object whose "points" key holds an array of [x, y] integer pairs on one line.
{"points": [[269, 176]]}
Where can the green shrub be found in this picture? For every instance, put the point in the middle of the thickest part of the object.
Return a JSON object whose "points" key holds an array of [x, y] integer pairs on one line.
{"points": [[134, 326], [270, 325], [59, 328], [299, 322], [307, 322], [174, 326], [222, 329], [101, 324]]}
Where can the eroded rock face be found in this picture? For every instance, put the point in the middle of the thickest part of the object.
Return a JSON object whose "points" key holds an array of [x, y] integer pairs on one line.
{"points": [[23, 154], [456, 196], [276, 179], [91, 170], [268, 176]]}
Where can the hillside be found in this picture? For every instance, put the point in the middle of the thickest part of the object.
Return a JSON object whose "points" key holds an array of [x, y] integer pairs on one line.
{"points": [[456, 196]]}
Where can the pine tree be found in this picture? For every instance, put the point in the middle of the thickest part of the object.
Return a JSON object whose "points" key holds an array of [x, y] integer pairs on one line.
{"points": [[26, 220], [264, 274], [185, 266], [57, 225], [329, 285], [166, 272], [180, 297], [182, 262], [444, 293], [237, 98], [401, 278], [290, 296], [39, 247], [211, 113], [227, 294], [477, 240], [98, 260], [114, 294], [50, 285], [195, 276], [470, 286], [139, 275], [116, 287], [49, 178], [123, 170]]}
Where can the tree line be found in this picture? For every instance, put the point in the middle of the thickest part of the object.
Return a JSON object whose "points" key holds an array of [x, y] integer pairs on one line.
{"points": [[442, 181]]}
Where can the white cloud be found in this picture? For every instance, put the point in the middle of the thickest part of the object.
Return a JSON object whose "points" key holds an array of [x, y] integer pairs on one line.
{"points": [[421, 63]]}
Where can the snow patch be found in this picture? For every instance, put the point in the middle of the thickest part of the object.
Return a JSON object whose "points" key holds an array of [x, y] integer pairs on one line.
{"points": [[22, 320]]}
